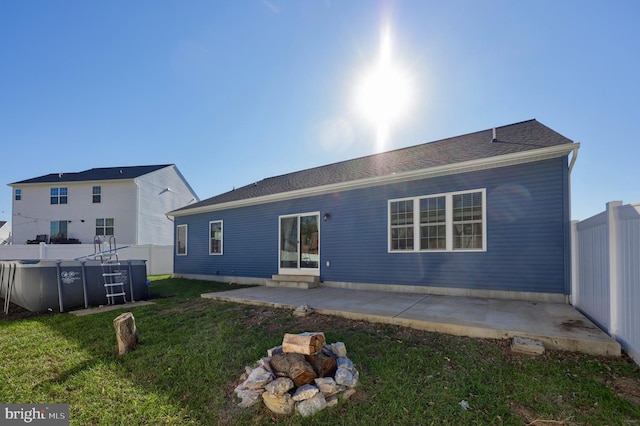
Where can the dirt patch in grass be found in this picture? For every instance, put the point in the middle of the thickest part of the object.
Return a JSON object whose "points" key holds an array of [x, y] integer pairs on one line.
{"points": [[627, 387], [18, 313], [531, 419]]}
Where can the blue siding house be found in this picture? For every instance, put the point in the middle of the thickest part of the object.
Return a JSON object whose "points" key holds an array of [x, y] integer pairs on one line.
{"points": [[484, 214]]}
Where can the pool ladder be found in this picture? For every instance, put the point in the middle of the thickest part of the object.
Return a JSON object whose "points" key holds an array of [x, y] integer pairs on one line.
{"points": [[113, 275]]}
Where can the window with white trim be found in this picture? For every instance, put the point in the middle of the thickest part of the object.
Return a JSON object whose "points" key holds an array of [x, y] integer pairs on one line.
{"points": [[96, 193], [215, 237], [467, 221], [105, 226], [454, 221], [17, 194], [59, 195], [401, 214], [181, 240]]}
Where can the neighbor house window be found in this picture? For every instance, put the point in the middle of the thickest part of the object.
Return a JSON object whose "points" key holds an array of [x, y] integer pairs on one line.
{"points": [[17, 195], [181, 240], [97, 194], [215, 237], [59, 195], [444, 222], [59, 229], [105, 226]]}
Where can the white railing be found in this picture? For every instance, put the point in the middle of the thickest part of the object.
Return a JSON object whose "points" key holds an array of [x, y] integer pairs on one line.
{"points": [[606, 272], [159, 258]]}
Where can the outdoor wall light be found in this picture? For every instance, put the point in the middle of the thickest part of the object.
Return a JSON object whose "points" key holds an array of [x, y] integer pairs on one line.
{"points": [[326, 216]]}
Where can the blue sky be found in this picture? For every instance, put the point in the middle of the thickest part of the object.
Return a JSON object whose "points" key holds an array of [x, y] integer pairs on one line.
{"points": [[233, 92]]}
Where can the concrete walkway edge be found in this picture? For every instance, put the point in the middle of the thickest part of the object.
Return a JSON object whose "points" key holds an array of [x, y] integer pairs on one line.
{"points": [[558, 326]]}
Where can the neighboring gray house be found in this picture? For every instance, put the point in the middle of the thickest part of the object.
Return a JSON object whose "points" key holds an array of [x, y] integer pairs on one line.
{"points": [[482, 214], [128, 202]]}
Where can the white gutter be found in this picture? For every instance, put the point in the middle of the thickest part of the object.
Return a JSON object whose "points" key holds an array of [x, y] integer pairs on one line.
{"points": [[431, 172]]}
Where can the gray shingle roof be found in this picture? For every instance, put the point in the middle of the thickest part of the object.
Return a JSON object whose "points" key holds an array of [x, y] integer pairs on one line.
{"points": [[105, 173], [513, 138]]}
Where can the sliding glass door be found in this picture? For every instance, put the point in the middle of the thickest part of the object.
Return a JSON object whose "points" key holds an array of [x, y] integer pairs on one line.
{"points": [[300, 244]]}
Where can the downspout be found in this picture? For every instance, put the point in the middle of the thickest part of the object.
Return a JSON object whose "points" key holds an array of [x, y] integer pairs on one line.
{"points": [[573, 235], [574, 156]]}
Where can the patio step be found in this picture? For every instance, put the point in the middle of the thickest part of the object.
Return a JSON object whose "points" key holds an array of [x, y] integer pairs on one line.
{"points": [[294, 281]]}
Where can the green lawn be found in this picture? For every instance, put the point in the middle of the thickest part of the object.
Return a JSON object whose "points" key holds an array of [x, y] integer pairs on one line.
{"points": [[193, 350]]}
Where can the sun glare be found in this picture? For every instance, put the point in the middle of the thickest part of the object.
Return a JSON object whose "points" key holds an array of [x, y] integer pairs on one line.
{"points": [[383, 94]]}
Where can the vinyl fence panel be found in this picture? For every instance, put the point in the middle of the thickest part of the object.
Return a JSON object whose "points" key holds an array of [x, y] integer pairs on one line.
{"points": [[606, 272]]}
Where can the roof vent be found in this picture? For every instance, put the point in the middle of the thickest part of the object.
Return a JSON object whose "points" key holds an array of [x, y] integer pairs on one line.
{"points": [[494, 139], [60, 175]]}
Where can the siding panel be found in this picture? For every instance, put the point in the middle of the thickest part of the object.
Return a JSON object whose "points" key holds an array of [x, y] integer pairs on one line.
{"points": [[527, 228]]}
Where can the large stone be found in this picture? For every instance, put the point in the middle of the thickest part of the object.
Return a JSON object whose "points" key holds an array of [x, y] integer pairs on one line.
{"points": [[344, 362], [527, 346], [305, 392], [309, 407], [279, 404], [327, 385], [339, 349], [344, 377], [279, 386], [258, 378], [248, 397]]}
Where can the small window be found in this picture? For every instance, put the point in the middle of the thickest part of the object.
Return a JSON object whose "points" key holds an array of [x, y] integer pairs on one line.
{"points": [[105, 227], [97, 194], [215, 237], [59, 195], [17, 194], [181, 240]]}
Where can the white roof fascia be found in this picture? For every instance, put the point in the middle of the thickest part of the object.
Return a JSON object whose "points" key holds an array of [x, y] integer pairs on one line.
{"points": [[431, 172]]}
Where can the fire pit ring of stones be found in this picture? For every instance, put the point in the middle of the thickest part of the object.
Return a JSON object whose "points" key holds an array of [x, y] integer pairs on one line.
{"points": [[304, 375]]}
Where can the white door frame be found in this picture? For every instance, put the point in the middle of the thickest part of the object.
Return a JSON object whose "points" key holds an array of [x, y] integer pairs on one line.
{"points": [[297, 270]]}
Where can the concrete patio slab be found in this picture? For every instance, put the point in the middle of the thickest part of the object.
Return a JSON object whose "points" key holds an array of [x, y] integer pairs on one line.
{"points": [[558, 326]]}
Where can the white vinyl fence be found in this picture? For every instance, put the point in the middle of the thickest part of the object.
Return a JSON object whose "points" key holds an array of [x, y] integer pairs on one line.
{"points": [[159, 258], [606, 272]]}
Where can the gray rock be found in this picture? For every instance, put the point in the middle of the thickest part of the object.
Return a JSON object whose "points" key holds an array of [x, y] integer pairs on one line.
{"points": [[326, 385], [303, 311], [344, 377], [345, 363], [339, 349], [258, 378], [527, 346], [279, 386], [332, 401], [274, 351], [309, 407], [248, 397], [305, 392], [279, 404]]}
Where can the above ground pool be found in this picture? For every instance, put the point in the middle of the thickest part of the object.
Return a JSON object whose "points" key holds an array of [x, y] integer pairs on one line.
{"points": [[64, 285]]}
